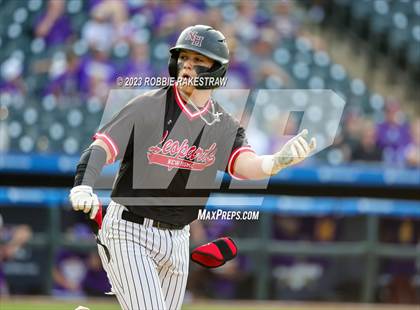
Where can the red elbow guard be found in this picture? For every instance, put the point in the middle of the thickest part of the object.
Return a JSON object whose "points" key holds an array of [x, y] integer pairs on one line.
{"points": [[216, 253]]}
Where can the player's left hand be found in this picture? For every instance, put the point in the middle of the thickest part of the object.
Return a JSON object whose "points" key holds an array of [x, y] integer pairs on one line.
{"points": [[293, 152]]}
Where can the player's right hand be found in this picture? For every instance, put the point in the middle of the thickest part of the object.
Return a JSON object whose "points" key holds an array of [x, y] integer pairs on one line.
{"points": [[293, 152], [83, 199]]}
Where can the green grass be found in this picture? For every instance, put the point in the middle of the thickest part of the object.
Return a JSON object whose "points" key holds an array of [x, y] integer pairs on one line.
{"points": [[35, 304], [66, 305]]}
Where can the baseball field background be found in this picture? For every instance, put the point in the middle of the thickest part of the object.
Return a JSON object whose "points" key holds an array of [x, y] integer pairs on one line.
{"points": [[339, 231]]}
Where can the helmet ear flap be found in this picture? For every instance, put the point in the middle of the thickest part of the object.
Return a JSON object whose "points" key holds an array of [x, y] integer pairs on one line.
{"points": [[173, 64]]}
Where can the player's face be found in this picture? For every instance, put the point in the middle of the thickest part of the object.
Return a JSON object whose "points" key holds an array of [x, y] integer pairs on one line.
{"points": [[190, 64]]}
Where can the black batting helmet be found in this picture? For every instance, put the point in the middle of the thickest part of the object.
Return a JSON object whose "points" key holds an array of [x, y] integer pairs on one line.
{"points": [[204, 40]]}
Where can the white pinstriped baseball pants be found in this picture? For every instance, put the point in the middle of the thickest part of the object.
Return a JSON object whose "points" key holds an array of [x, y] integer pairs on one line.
{"points": [[147, 267]]}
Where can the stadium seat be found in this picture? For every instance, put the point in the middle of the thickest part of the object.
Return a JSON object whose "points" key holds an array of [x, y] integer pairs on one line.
{"points": [[15, 129], [78, 20], [20, 15], [74, 118], [360, 12], [337, 79], [403, 6], [399, 35], [37, 46], [56, 131], [288, 43], [74, 7], [376, 102], [80, 47], [34, 5], [26, 142], [413, 50], [71, 145], [316, 82], [341, 14], [300, 72], [416, 8], [282, 56], [380, 21], [30, 115], [6, 13], [321, 64]]}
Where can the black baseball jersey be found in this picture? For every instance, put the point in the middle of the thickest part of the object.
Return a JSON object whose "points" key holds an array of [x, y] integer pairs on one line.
{"points": [[170, 152]]}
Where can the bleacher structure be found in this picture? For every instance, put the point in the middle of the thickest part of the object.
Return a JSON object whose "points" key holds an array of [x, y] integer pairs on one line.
{"points": [[389, 26]]}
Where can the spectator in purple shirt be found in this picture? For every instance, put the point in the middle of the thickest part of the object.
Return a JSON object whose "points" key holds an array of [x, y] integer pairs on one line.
{"points": [[54, 25], [70, 266], [138, 63], [171, 16], [285, 20], [99, 32], [248, 20], [96, 74], [394, 134], [239, 74], [66, 83], [68, 273], [11, 74], [95, 282], [214, 18]]}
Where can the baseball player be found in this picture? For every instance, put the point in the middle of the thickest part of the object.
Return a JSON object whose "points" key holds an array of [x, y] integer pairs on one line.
{"points": [[171, 143]]}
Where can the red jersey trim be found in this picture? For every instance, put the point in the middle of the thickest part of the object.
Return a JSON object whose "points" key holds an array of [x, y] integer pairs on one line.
{"points": [[232, 159], [113, 148], [184, 108]]}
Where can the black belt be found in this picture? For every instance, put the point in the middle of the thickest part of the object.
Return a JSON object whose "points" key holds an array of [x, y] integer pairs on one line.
{"points": [[131, 217]]}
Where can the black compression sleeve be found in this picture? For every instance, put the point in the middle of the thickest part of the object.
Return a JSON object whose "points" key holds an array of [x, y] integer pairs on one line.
{"points": [[90, 166]]}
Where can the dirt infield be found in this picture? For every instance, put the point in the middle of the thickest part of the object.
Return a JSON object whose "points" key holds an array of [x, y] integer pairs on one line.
{"points": [[49, 303]]}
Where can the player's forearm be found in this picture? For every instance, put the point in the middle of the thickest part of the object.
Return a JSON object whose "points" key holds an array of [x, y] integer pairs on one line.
{"points": [[90, 165], [296, 150], [250, 166]]}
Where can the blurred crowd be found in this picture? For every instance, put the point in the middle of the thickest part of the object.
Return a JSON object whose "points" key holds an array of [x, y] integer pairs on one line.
{"points": [[390, 138], [77, 272], [302, 277], [79, 48], [12, 240]]}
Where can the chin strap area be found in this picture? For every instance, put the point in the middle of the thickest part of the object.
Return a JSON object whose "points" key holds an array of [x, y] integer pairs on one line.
{"points": [[214, 115]]}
